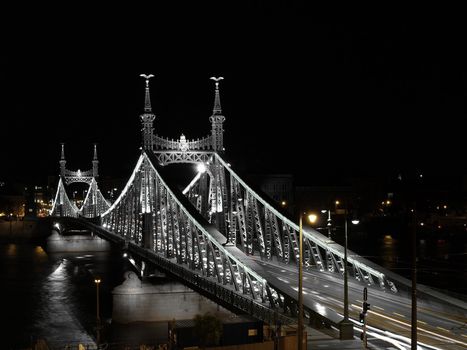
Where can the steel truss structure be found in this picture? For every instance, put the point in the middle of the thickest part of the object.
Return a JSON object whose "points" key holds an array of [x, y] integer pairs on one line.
{"points": [[215, 226]]}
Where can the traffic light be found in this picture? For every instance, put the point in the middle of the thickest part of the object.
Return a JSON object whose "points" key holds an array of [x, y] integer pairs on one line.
{"points": [[366, 307], [362, 317]]}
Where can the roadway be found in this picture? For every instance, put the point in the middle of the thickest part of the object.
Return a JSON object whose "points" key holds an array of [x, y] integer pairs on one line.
{"points": [[440, 326]]}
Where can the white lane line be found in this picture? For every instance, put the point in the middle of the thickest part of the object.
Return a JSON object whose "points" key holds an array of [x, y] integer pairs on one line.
{"points": [[443, 329], [400, 315], [379, 308], [421, 329]]}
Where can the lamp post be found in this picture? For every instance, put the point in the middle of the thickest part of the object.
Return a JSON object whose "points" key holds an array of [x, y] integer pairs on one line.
{"points": [[414, 325], [97, 281], [346, 327], [11, 219], [300, 286], [312, 219]]}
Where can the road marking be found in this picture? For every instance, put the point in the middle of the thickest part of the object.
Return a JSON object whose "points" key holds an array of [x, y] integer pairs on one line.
{"points": [[421, 329], [443, 329], [422, 322], [358, 301], [400, 315], [380, 308], [465, 336]]}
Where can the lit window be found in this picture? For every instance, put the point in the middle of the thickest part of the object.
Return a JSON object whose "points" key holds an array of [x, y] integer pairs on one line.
{"points": [[252, 332]]}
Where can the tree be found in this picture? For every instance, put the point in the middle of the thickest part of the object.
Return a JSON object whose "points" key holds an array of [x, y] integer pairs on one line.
{"points": [[208, 330]]}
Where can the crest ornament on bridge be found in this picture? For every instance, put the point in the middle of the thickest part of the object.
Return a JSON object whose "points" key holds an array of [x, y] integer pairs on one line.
{"points": [[183, 143]]}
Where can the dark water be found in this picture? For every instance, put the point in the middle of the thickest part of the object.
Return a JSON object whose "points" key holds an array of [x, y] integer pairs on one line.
{"points": [[53, 295]]}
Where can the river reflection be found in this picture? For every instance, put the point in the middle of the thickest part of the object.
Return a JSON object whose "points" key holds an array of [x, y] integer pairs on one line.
{"points": [[50, 293]]}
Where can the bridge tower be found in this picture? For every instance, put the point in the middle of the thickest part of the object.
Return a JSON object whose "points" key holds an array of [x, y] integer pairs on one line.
{"points": [[147, 118], [217, 120]]}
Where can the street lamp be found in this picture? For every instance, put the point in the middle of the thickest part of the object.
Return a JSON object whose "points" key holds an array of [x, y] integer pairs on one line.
{"points": [[97, 281], [300, 286], [312, 219], [346, 327]]}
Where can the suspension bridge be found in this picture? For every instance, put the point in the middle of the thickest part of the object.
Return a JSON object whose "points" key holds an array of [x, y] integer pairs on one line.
{"points": [[221, 237]]}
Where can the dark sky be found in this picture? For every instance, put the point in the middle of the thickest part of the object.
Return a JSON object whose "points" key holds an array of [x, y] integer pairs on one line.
{"points": [[302, 95]]}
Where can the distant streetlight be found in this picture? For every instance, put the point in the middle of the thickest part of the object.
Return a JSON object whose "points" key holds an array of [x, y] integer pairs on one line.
{"points": [[312, 218]]}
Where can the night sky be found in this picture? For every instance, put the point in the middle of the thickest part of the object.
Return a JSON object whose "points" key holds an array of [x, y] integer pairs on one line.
{"points": [[339, 98]]}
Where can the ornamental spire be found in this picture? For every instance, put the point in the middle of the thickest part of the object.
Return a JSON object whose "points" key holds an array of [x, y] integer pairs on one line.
{"points": [[62, 161], [147, 97], [95, 163], [63, 152], [95, 151], [217, 100]]}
